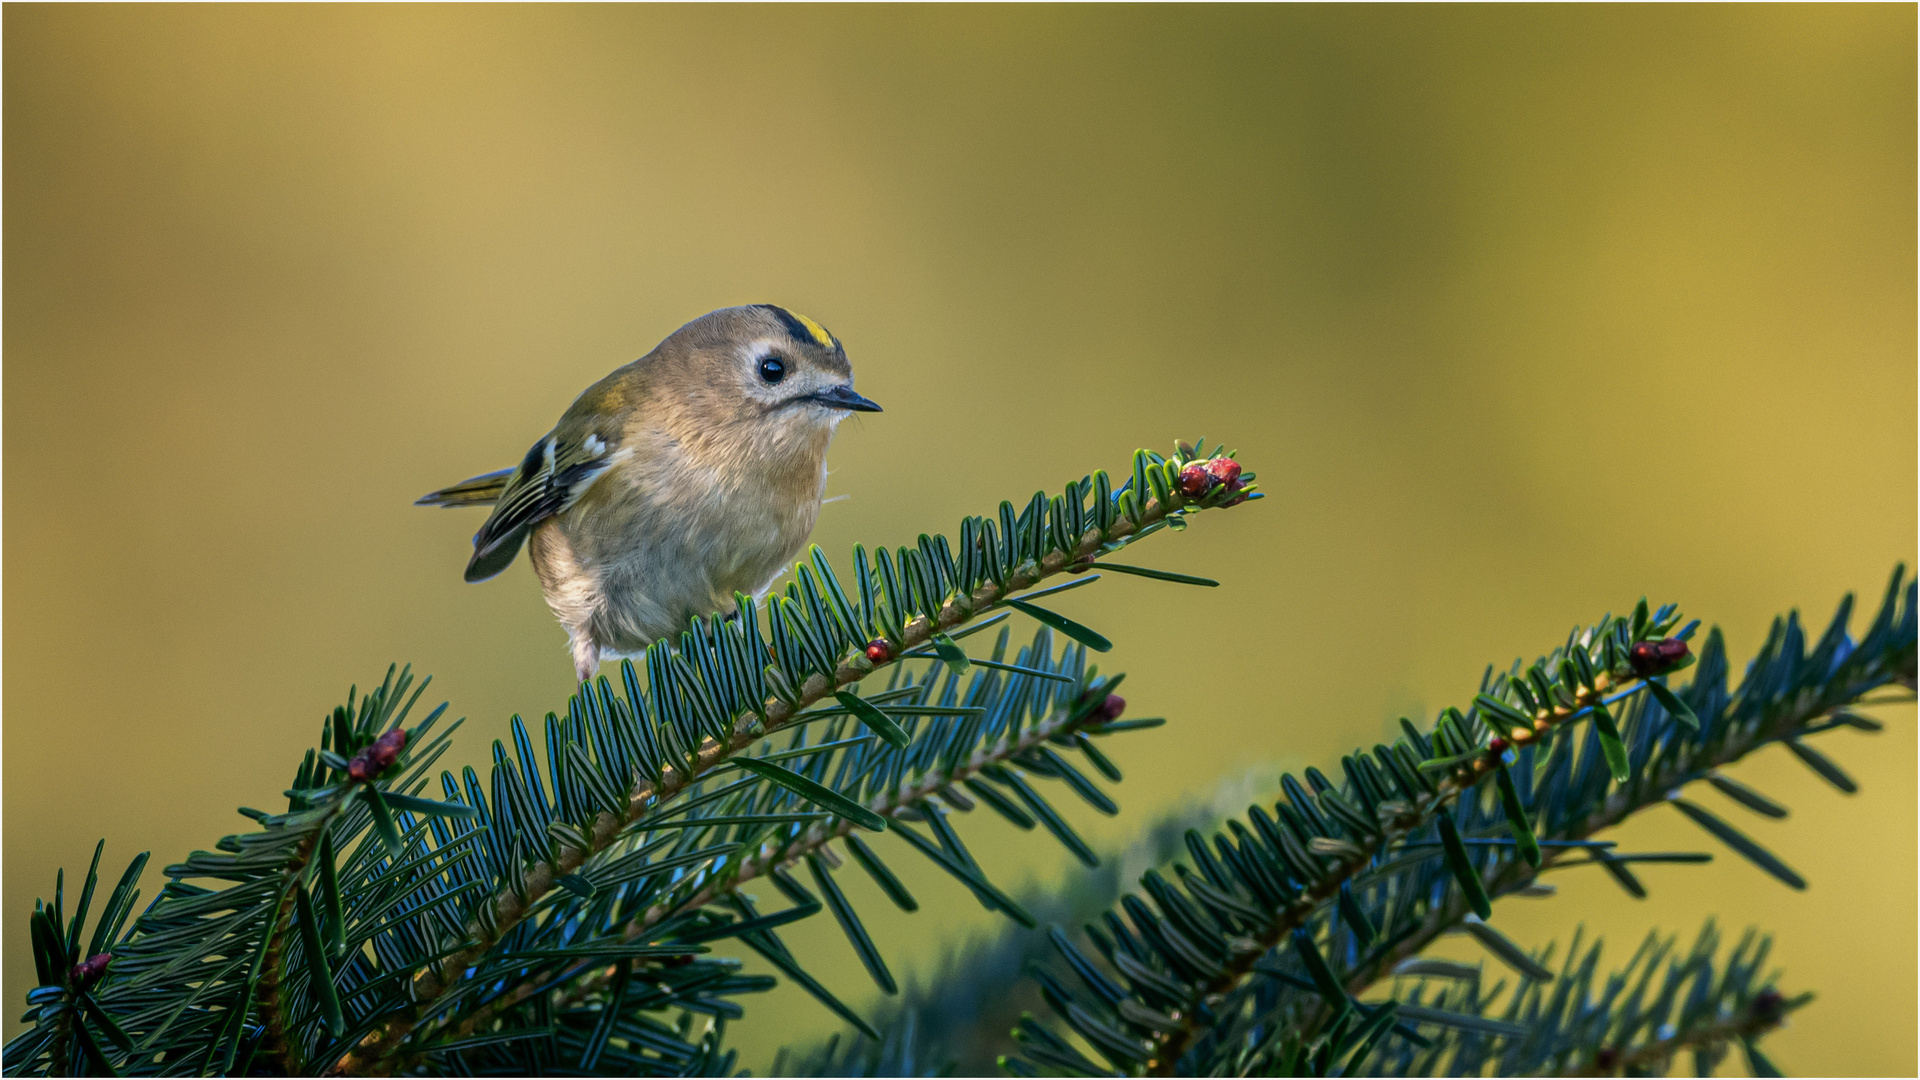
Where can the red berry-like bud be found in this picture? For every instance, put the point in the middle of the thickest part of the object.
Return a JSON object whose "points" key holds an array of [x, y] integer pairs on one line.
{"points": [[375, 759], [1607, 1059], [1111, 708], [1768, 1005], [1648, 658], [1497, 745], [1225, 470], [88, 971], [879, 651], [1195, 481]]}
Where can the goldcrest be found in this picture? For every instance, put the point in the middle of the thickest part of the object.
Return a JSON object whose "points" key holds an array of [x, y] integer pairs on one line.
{"points": [[689, 475]]}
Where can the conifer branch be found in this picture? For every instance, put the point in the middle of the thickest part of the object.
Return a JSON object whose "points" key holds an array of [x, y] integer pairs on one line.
{"points": [[1655, 791], [1352, 879], [1466, 777], [907, 800], [1154, 498]]}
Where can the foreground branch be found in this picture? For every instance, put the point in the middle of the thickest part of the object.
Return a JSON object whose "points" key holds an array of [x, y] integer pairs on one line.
{"points": [[1240, 967], [514, 902], [1655, 791], [894, 806]]}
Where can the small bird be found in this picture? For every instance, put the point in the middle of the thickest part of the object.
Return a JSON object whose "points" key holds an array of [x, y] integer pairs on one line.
{"points": [[685, 477]]}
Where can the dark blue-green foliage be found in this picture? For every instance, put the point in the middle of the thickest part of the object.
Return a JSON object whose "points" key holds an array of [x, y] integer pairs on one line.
{"points": [[1251, 956], [954, 1019], [564, 912], [578, 908], [1312, 1003]]}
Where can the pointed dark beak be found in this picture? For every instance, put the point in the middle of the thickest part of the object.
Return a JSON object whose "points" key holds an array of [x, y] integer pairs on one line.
{"points": [[843, 397]]}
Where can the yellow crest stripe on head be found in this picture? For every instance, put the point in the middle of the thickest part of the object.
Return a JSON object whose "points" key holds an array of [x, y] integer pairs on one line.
{"points": [[801, 327], [819, 332]]}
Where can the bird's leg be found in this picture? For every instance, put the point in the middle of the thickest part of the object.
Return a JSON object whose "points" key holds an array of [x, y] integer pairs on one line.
{"points": [[586, 653]]}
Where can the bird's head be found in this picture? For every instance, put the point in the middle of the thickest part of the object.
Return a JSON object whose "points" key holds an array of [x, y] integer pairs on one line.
{"points": [[761, 372]]}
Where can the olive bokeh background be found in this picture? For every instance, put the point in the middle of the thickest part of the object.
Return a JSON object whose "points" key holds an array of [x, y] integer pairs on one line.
{"points": [[1519, 312]]}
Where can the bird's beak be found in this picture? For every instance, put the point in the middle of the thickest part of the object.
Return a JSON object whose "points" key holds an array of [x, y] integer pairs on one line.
{"points": [[843, 397]]}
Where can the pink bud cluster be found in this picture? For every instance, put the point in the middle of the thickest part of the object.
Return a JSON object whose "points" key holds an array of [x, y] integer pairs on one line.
{"points": [[377, 757], [1202, 478], [1648, 658], [88, 971]]}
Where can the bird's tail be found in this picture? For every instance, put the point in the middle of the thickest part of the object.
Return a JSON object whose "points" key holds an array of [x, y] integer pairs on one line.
{"points": [[482, 490]]}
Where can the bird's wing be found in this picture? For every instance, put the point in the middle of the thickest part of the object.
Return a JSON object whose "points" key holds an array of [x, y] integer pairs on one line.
{"points": [[555, 473], [482, 490]]}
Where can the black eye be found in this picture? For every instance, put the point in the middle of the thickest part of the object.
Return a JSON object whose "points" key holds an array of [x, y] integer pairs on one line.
{"points": [[773, 369]]}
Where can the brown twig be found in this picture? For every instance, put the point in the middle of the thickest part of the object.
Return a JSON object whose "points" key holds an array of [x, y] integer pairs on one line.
{"points": [[275, 1047], [1761, 1016]]}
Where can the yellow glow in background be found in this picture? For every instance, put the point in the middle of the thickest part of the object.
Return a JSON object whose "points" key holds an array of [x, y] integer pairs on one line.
{"points": [[1519, 313]]}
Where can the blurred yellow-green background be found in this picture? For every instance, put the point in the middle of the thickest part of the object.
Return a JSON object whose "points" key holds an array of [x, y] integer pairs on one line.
{"points": [[1519, 312]]}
